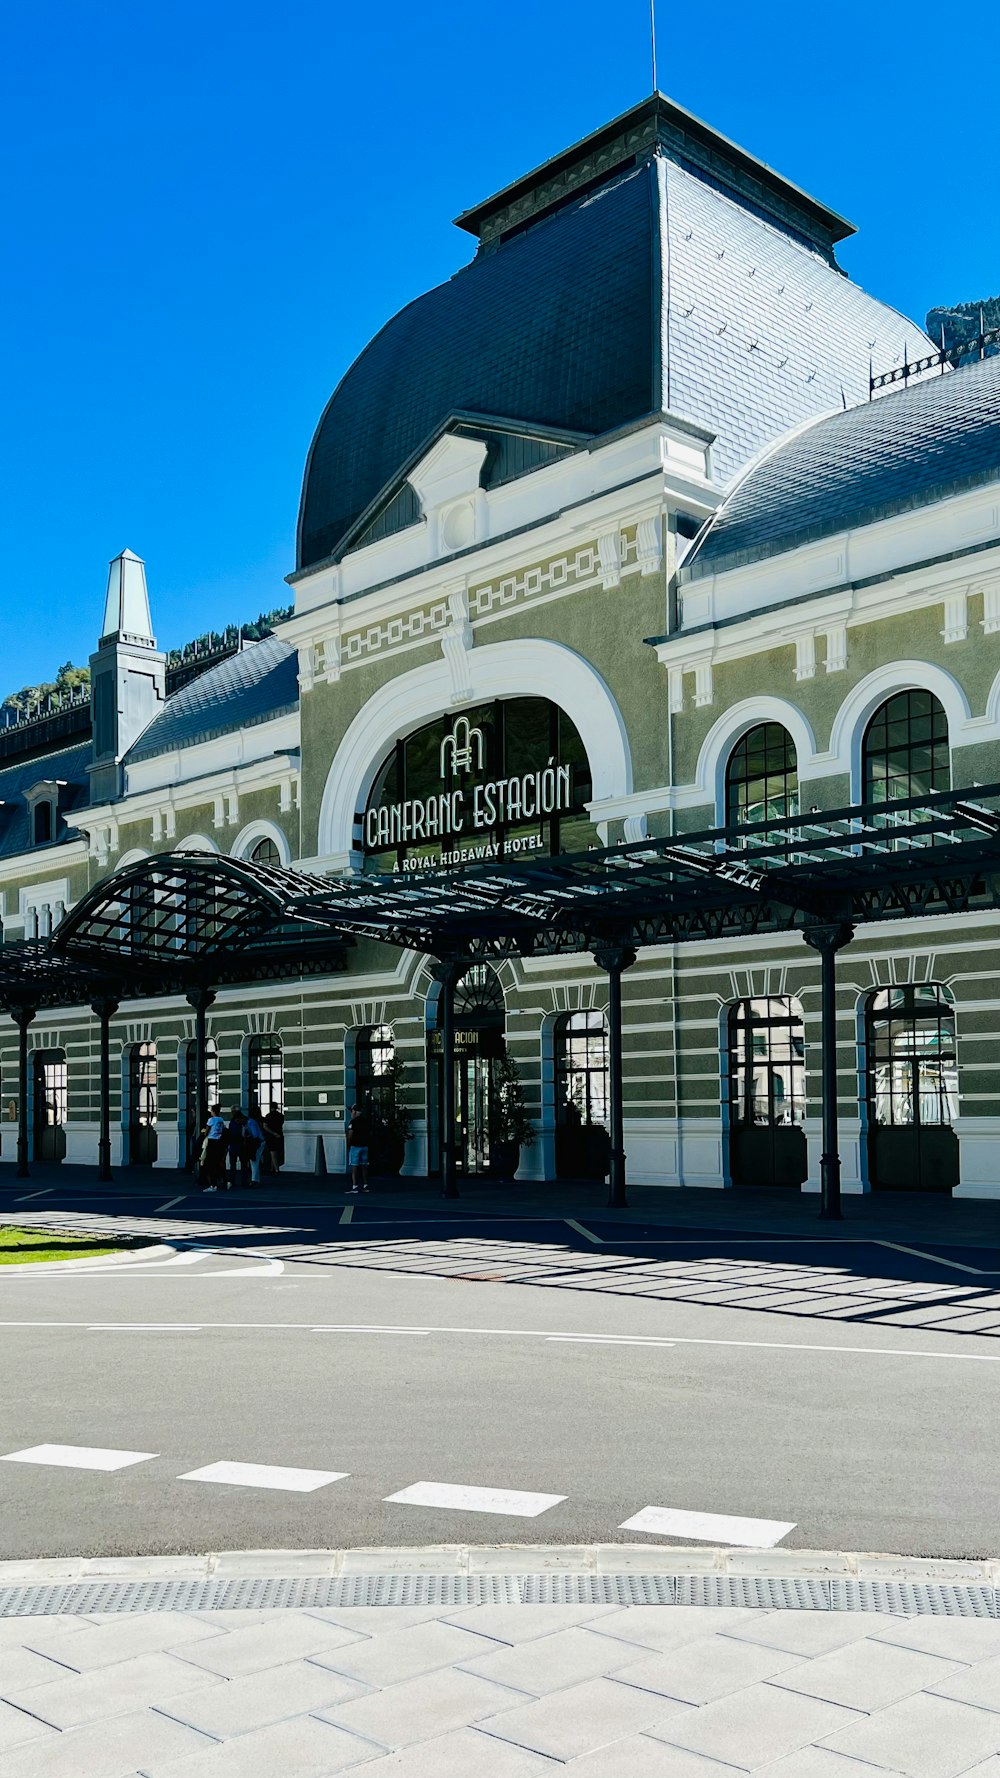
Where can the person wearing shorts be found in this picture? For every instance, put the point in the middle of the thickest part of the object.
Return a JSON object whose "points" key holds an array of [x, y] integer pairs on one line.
{"points": [[358, 1134]]}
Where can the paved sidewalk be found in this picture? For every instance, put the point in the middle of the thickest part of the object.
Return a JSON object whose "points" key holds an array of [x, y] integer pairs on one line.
{"points": [[497, 1690], [893, 1216]]}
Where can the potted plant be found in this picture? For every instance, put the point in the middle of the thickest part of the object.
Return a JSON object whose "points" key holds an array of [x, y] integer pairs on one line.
{"points": [[393, 1120], [511, 1129]]}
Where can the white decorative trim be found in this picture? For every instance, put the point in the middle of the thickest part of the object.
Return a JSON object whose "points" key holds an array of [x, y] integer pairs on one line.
{"points": [[251, 836], [609, 550], [196, 842], [648, 545], [456, 644], [991, 607], [805, 655], [836, 648], [504, 669], [956, 615]]}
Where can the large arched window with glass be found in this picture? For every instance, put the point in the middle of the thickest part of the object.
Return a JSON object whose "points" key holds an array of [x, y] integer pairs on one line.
{"points": [[266, 1072], [767, 1091], [912, 1088], [582, 1086], [762, 777], [905, 749]]}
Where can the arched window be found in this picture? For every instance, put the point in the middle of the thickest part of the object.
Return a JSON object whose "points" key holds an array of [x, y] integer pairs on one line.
{"points": [[266, 852], [375, 1051], [266, 1072], [211, 1077], [582, 1069], [905, 749], [479, 995], [762, 780]]}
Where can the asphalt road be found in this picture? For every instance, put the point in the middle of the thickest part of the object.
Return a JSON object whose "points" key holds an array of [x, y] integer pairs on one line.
{"points": [[849, 1390]]}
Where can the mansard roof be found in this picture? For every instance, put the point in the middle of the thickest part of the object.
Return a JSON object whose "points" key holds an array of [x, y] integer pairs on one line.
{"points": [[67, 767], [258, 683], [662, 271], [937, 437]]}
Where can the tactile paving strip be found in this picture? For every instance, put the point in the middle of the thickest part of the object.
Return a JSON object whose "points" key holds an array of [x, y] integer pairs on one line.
{"points": [[269, 1592]]}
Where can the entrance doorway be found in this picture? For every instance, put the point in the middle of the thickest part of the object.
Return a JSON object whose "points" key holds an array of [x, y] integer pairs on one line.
{"points": [[767, 1092], [142, 1105], [912, 1089], [190, 1126], [583, 1146], [50, 1104], [480, 1014]]}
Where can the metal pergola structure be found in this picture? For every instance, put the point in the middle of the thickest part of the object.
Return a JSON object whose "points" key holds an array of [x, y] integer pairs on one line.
{"points": [[193, 922]]}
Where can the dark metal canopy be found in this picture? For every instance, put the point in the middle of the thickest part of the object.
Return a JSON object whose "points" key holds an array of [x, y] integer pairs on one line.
{"points": [[878, 861]]}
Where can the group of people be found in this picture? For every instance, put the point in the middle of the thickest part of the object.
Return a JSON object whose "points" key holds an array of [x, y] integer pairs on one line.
{"points": [[246, 1145]]}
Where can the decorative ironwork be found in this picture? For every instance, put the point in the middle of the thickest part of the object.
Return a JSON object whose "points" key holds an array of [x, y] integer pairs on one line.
{"points": [[981, 345]]}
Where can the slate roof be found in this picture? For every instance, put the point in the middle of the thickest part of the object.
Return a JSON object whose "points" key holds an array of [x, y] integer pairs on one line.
{"points": [[250, 687], [903, 450], [15, 780], [658, 290]]}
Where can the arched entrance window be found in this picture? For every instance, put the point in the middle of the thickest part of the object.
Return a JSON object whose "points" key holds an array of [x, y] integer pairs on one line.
{"points": [[266, 1072], [767, 1092], [912, 1088], [582, 1082], [762, 779], [905, 749], [190, 1089], [142, 1104], [266, 852], [480, 1014], [50, 1104]]}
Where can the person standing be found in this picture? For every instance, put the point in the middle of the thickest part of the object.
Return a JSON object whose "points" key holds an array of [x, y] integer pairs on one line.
{"points": [[274, 1132], [256, 1143], [217, 1137], [237, 1147], [358, 1138]]}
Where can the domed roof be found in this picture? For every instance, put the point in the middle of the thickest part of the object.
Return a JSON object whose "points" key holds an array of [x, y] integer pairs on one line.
{"points": [[663, 269], [936, 437]]}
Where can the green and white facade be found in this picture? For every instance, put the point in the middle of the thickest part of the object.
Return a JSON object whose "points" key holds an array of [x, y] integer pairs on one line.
{"points": [[612, 505]]}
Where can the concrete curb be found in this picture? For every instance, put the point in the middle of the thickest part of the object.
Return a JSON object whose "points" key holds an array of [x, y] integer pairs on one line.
{"points": [[442, 1560], [46, 1267]]}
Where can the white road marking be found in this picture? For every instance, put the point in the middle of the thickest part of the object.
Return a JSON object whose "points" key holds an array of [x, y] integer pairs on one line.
{"points": [[412, 1333], [536, 1333], [79, 1457], [508, 1501], [935, 1259], [596, 1240], [265, 1475], [347, 1214], [602, 1340], [752, 1534], [145, 1327], [169, 1204], [29, 1195]]}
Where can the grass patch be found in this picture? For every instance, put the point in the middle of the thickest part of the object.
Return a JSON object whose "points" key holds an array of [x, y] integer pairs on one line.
{"points": [[23, 1246]]}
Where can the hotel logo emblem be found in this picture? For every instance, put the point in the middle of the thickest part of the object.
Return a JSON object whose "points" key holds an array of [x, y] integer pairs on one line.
{"points": [[460, 744]]}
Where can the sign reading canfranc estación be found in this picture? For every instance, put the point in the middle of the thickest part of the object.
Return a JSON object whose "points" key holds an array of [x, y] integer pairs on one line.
{"points": [[505, 778]]}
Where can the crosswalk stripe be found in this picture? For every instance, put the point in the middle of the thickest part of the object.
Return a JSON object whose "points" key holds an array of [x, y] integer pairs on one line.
{"points": [[508, 1501], [754, 1534], [79, 1457], [265, 1475]]}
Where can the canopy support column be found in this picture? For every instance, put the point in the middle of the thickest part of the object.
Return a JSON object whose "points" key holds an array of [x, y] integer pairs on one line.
{"points": [[104, 1010], [200, 999], [828, 940], [448, 973], [614, 959], [22, 1017]]}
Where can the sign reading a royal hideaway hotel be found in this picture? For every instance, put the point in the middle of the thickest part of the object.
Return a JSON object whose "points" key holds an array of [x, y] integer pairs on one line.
{"points": [[506, 778]]}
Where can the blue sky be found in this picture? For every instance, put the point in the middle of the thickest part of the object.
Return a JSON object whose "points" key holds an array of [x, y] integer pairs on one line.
{"points": [[211, 207]]}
